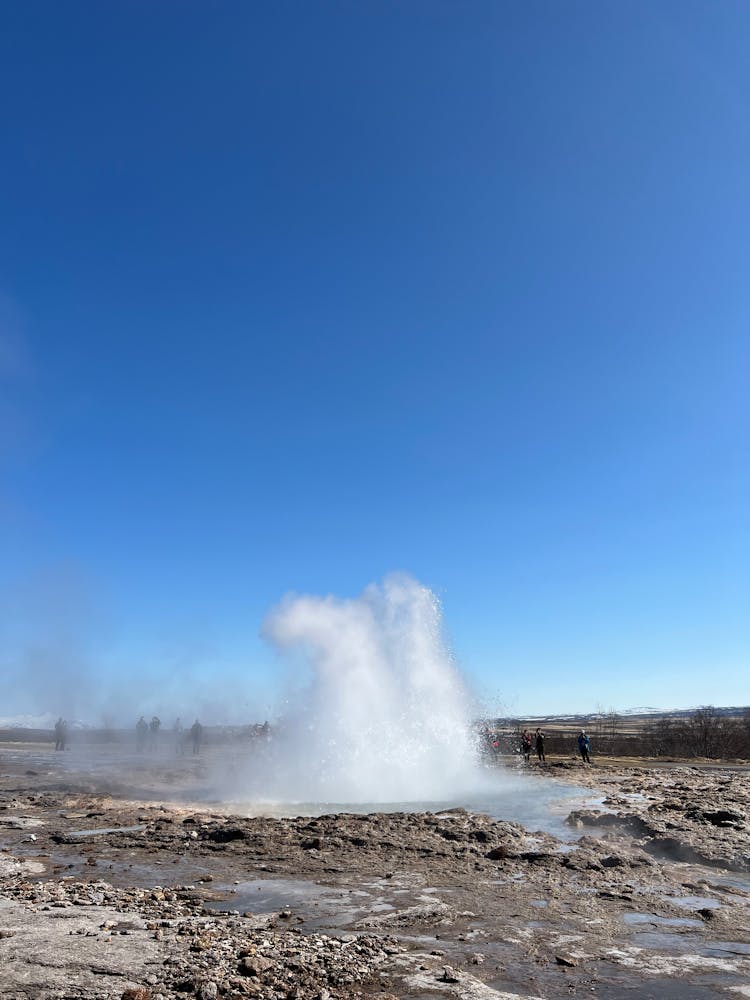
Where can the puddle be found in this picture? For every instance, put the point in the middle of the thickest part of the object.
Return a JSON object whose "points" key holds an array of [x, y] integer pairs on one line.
{"points": [[540, 903], [651, 918], [655, 988], [662, 941], [269, 895], [319, 905], [731, 882], [720, 949], [693, 902], [682, 943]]}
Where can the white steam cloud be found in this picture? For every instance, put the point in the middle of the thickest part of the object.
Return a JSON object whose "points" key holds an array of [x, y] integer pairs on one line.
{"points": [[386, 716]]}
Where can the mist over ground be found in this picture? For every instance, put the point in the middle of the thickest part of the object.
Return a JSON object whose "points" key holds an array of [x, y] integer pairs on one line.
{"points": [[374, 706]]}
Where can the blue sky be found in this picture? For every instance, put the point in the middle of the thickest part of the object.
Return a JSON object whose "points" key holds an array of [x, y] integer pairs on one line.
{"points": [[294, 295]]}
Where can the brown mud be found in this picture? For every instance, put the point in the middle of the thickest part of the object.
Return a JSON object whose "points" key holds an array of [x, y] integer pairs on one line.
{"points": [[105, 893]]}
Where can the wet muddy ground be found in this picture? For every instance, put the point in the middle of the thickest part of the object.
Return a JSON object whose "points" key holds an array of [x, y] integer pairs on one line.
{"points": [[113, 885]]}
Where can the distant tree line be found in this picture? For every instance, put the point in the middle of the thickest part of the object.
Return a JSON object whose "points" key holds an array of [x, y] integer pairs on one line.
{"points": [[705, 733]]}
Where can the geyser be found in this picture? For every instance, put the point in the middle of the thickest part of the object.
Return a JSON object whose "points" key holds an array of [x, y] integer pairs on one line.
{"points": [[385, 716]]}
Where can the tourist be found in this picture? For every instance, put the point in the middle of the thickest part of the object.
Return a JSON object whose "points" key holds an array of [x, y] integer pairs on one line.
{"points": [[583, 747], [526, 745], [179, 736], [154, 730], [196, 733], [540, 746], [141, 730]]}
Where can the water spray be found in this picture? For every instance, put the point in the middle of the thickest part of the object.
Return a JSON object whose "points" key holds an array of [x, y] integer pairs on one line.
{"points": [[385, 716]]}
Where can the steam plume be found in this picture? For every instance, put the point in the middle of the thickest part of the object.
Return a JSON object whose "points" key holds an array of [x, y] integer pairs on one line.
{"points": [[385, 716]]}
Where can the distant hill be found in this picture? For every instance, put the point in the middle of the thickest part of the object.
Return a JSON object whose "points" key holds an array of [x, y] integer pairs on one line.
{"points": [[45, 721], [632, 714]]}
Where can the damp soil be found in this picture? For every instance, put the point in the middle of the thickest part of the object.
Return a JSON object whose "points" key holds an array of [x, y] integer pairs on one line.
{"points": [[114, 889]]}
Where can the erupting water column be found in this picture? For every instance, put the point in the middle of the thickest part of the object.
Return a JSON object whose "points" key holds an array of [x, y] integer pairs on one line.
{"points": [[386, 717]]}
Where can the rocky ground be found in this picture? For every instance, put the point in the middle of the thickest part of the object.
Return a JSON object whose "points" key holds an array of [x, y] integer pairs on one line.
{"points": [[103, 896]]}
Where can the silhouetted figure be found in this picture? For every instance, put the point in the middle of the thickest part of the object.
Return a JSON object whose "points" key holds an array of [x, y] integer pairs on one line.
{"points": [[141, 731], [583, 747], [154, 731], [196, 734], [491, 741], [179, 737], [526, 745], [60, 734], [540, 745]]}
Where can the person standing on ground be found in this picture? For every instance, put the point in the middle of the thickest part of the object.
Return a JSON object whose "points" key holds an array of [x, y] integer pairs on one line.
{"points": [[140, 734], [196, 732], [154, 728], [540, 746], [526, 745], [584, 747], [179, 746]]}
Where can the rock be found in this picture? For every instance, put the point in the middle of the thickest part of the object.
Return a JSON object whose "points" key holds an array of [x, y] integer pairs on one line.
{"points": [[538, 857], [226, 834], [718, 817], [568, 963], [208, 991], [498, 853], [255, 965], [449, 975], [425, 913]]}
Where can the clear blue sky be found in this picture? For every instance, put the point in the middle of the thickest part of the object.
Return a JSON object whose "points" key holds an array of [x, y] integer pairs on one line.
{"points": [[296, 294]]}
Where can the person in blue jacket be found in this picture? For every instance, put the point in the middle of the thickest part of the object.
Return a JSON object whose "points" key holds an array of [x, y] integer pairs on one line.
{"points": [[584, 746]]}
